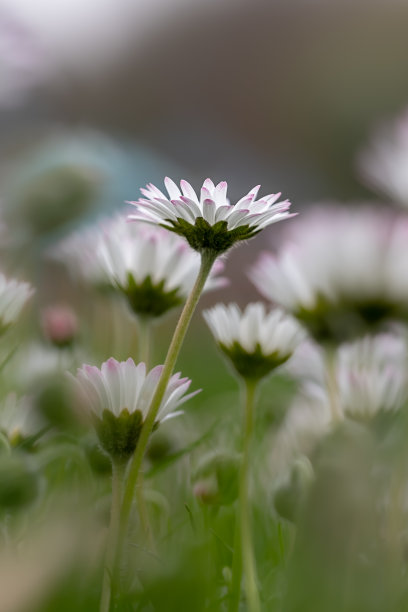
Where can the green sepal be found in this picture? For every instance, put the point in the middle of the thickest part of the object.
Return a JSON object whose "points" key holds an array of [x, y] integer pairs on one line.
{"points": [[119, 435], [255, 365], [205, 237], [347, 319], [148, 299]]}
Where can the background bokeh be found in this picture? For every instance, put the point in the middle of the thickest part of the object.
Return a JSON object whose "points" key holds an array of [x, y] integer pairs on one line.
{"points": [[100, 97]]}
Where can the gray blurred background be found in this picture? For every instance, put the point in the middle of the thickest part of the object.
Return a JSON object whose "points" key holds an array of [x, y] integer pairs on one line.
{"points": [[278, 92]]}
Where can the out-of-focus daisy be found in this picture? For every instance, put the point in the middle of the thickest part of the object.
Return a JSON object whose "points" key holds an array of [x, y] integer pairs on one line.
{"points": [[372, 375], [383, 164], [256, 341], [209, 222], [155, 270], [308, 363], [341, 274], [118, 396], [13, 296], [17, 419], [307, 421]]}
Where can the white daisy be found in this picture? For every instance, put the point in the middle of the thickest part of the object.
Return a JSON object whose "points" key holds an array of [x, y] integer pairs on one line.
{"points": [[209, 221], [307, 421], [372, 375], [119, 395], [255, 340], [154, 269], [341, 273], [17, 419], [13, 296], [383, 164]]}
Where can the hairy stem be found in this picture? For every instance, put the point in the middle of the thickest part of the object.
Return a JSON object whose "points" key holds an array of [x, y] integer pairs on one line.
{"points": [[243, 551], [207, 261], [118, 470]]}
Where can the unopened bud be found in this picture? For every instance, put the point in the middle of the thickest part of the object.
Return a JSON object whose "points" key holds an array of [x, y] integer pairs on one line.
{"points": [[216, 479], [60, 325]]}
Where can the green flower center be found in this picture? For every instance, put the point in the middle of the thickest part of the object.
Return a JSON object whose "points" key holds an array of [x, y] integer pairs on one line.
{"points": [[150, 299], [255, 365], [119, 435], [348, 318], [205, 237]]}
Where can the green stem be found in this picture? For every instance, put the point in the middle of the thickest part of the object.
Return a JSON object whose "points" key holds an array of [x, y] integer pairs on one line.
{"points": [[118, 470], [207, 260], [235, 591], [144, 338], [143, 513], [243, 553]]}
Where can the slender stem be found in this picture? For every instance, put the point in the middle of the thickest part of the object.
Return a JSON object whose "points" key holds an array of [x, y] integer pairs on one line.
{"points": [[236, 569], [207, 261], [143, 513], [244, 554], [118, 470], [144, 339], [332, 386]]}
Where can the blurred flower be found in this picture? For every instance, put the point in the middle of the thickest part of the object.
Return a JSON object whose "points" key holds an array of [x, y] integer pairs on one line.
{"points": [[383, 164], [23, 61], [13, 296], [60, 325], [17, 420], [155, 270], [118, 397], [342, 273], [52, 184], [307, 421], [372, 375], [215, 480], [307, 363], [34, 364], [208, 222], [254, 340]]}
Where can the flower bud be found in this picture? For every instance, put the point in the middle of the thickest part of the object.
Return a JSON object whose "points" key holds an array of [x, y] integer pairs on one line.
{"points": [[60, 325], [215, 481]]}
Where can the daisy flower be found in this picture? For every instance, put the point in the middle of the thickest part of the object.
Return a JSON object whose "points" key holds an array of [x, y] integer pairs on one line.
{"points": [[209, 222], [372, 375], [155, 270], [13, 296], [383, 163], [341, 273], [17, 420], [256, 341], [118, 396]]}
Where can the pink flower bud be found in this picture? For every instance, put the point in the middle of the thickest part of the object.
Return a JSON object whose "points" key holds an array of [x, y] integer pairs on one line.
{"points": [[60, 325]]}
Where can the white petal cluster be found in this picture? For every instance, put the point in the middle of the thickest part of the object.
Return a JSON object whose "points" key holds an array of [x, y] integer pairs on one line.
{"points": [[124, 385], [13, 296], [337, 254], [212, 205], [272, 331], [105, 255], [372, 375], [307, 364], [78, 252], [16, 417], [151, 252], [383, 164], [307, 421]]}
